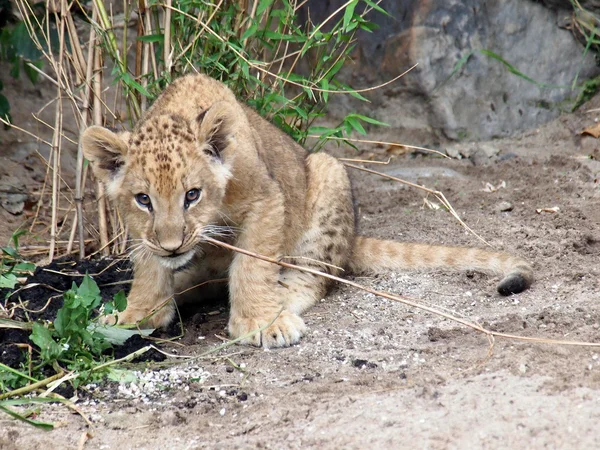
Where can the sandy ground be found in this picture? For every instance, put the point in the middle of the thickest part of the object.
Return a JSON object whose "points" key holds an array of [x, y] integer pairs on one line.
{"points": [[373, 373]]}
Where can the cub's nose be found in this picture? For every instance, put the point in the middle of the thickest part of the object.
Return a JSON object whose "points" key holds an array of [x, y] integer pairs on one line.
{"points": [[171, 247]]}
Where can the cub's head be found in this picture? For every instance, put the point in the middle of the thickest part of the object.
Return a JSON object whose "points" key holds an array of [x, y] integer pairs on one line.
{"points": [[168, 177]]}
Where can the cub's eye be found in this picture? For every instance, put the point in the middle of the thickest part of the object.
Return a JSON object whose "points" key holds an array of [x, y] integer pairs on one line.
{"points": [[191, 196], [144, 200]]}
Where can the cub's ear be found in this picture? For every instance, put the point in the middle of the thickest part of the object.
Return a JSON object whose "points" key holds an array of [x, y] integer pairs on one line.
{"points": [[214, 128], [105, 150]]}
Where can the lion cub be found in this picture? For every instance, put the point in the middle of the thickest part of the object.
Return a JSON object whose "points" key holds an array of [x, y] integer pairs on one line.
{"points": [[199, 163]]}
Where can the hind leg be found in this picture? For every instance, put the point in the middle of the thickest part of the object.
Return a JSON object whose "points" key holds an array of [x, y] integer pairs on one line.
{"points": [[329, 236]]}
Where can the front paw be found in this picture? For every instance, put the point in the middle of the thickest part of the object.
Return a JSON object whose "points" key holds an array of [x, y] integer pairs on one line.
{"points": [[142, 317], [286, 330]]}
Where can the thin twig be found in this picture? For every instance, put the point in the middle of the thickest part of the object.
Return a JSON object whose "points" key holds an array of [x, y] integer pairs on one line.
{"points": [[31, 387], [401, 299], [438, 194]]}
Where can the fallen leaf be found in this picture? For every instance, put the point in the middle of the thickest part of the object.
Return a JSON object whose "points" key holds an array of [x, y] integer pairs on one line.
{"points": [[593, 130]]}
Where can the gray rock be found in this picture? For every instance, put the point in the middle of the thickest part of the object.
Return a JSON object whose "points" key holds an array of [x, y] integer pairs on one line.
{"points": [[504, 206], [13, 203], [483, 99]]}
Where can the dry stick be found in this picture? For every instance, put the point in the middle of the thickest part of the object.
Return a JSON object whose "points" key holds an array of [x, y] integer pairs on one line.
{"points": [[143, 50], [257, 67], [28, 133], [97, 120], [366, 161], [79, 178], [101, 249], [76, 49], [40, 120], [167, 43], [400, 299], [250, 19], [56, 137], [150, 29], [31, 387], [53, 81], [438, 194]]}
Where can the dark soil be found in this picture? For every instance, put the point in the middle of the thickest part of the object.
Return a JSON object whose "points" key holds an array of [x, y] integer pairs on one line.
{"points": [[42, 293]]}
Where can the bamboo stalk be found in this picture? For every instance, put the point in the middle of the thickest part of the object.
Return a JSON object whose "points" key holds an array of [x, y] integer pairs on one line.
{"points": [[149, 29], [167, 42], [97, 120], [78, 59], [139, 49], [143, 30], [56, 137], [79, 176]]}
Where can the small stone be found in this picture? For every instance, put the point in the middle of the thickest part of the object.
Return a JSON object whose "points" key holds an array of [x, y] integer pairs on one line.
{"points": [[505, 206]]}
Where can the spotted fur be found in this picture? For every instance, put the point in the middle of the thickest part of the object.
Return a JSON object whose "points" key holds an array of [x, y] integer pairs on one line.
{"points": [[253, 186]]}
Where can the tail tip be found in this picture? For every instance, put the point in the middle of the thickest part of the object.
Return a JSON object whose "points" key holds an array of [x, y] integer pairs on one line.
{"points": [[513, 284]]}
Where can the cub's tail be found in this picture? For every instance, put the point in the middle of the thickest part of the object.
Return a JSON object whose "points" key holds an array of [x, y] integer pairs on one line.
{"points": [[371, 255]]}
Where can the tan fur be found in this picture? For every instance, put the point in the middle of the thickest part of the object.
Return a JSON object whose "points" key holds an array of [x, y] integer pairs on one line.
{"points": [[260, 191]]}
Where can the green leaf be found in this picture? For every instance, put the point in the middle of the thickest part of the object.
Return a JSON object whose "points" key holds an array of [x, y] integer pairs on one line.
{"points": [[42, 337], [8, 280], [117, 335], [358, 96], [5, 108], [24, 268], [35, 423], [370, 120], [250, 31], [89, 292], [22, 43], [355, 124], [128, 80], [349, 13], [9, 251], [376, 7], [325, 87], [120, 301], [32, 74], [152, 38], [262, 7]]}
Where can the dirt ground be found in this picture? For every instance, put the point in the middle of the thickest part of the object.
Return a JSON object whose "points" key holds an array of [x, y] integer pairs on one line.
{"points": [[373, 373]]}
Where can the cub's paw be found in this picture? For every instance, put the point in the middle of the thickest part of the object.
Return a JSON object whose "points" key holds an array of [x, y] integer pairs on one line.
{"points": [[287, 329], [133, 315]]}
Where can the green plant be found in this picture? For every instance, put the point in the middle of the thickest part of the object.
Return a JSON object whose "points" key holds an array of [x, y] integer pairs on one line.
{"points": [[284, 69], [74, 341], [12, 265]]}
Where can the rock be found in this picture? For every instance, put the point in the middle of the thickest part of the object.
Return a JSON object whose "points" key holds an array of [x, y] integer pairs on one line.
{"points": [[13, 203], [504, 206], [483, 99]]}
